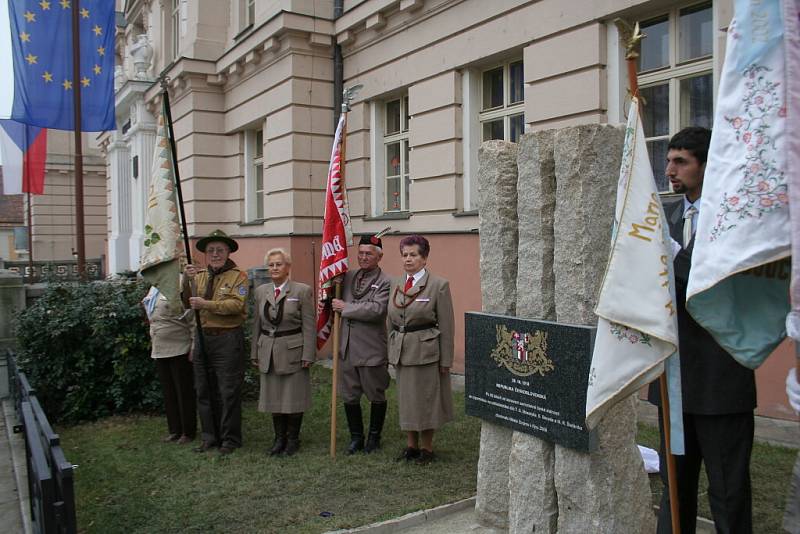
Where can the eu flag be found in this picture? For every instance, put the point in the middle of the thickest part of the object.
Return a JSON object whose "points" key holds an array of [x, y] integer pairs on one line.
{"points": [[40, 89]]}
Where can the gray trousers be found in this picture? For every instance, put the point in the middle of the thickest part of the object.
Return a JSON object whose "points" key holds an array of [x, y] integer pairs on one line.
{"points": [[218, 379]]}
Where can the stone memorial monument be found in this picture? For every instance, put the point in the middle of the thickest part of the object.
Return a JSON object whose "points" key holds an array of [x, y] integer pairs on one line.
{"points": [[564, 198]]}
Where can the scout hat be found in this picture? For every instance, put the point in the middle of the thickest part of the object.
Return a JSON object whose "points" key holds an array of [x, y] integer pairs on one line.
{"points": [[217, 235]]}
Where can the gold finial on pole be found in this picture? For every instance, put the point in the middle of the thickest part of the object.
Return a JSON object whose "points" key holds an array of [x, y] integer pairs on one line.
{"points": [[631, 37]]}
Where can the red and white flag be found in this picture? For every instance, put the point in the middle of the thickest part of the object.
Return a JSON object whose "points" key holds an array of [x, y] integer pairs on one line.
{"points": [[337, 235]]}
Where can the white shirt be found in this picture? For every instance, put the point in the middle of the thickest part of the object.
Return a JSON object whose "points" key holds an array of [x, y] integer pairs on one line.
{"points": [[417, 277], [283, 285]]}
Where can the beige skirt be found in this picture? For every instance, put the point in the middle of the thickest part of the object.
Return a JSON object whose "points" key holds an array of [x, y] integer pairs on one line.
{"points": [[285, 393], [424, 397]]}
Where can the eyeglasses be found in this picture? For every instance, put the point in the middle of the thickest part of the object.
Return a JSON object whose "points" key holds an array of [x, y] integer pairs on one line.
{"points": [[216, 250]]}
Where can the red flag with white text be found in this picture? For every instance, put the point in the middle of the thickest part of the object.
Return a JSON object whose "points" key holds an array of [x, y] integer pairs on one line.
{"points": [[337, 235]]}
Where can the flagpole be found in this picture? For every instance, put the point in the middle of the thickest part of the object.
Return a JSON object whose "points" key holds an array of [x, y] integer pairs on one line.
{"points": [[30, 236], [186, 245], [80, 236], [632, 38], [337, 284]]}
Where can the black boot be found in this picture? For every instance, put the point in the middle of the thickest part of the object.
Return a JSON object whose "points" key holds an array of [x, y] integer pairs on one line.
{"points": [[279, 421], [377, 414], [356, 425], [293, 433]]}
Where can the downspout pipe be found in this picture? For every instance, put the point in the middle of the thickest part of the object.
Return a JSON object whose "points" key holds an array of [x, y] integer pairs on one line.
{"points": [[338, 68]]}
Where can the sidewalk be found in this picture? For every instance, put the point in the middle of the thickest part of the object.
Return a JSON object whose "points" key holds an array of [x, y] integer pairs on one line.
{"points": [[13, 483]]}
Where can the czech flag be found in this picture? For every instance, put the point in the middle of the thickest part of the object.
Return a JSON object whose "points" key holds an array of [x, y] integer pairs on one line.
{"points": [[23, 151]]}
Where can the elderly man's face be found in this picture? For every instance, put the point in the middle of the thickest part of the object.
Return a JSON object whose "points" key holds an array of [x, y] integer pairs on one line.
{"points": [[217, 254], [368, 257]]}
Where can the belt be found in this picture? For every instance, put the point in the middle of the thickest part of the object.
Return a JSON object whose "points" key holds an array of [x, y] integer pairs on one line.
{"points": [[272, 333], [405, 329], [215, 331]]}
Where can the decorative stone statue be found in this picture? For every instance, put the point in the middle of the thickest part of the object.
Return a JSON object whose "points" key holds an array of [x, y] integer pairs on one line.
{"points": [[142, 54], [119, 77]]}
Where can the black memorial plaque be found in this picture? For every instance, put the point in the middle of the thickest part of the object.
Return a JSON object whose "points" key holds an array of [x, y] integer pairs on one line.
{"points": [[530, 376]]}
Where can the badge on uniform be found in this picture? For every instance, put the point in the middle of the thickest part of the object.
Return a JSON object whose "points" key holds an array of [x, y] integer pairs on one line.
{"points": [[293, 299], [242, 291], [423, 300], [375, 286]]}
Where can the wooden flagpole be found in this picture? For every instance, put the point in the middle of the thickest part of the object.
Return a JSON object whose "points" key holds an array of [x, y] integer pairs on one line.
{"points": [[337, 284], [80, 235], [632, 38]]}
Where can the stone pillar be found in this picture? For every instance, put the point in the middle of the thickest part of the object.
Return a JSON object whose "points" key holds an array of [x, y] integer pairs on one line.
{"points": [[12, 300], [497, 201], [607, 490], [119, 156], [533, 504]]}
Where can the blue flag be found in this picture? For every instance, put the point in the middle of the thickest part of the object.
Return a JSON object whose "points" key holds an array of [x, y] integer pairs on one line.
{"points": [[37, 85]]}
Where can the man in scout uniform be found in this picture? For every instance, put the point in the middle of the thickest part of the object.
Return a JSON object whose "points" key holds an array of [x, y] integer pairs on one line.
{"points": [[219, 292], [364, 365]]}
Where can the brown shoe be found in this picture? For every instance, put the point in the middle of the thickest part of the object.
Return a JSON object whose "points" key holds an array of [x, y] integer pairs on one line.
{"points": [[225, 451], [170, 438], [425, 457], [184, 439], [408, 454], [204, 446]]}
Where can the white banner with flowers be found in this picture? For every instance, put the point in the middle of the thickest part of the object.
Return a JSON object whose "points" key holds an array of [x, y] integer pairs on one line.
{"points": [[739, 279]]}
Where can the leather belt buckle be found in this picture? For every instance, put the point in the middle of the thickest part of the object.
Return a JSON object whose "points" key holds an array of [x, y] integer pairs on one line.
{"points": [[401, 329]]}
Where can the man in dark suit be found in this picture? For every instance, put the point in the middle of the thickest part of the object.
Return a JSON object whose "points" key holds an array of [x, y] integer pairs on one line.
{"points": [[719, 394]]}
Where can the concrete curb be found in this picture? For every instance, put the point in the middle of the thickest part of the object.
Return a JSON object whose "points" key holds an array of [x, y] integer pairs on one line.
{"points": [[17, 447], [413, 519]]}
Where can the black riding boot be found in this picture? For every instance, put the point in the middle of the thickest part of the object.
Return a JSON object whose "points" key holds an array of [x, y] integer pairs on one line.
{"points": [[356, 425], [279, 424], [377, 414], [293, 433]]}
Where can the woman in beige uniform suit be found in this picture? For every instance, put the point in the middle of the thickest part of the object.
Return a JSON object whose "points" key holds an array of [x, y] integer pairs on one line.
{"points": [[421, 329], [283, 349]]}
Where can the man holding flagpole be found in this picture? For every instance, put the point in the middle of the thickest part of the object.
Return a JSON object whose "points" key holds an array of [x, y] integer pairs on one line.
{"points": [[719, 394]]}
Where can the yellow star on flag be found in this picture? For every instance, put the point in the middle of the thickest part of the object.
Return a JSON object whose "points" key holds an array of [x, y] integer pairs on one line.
{"points": [[97, 69], [45, 5], [67, 85], [31, 59], [48, 77], [101, 50], [64, 4], [30, 17], [85, 81], [25, 37], [97, 30], [85, 13]]}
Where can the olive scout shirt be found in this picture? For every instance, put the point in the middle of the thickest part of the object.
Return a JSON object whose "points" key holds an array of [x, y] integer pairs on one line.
{"points": [[227, 308]]}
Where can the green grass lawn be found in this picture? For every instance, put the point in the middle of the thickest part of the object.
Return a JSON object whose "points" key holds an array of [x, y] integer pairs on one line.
{"points": [[128, 481]]}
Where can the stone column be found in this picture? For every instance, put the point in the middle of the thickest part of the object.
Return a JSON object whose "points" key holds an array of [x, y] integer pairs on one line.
{"points": [[119, 156], [533, 504], [12, 300], [497, 201], [607, 490]]}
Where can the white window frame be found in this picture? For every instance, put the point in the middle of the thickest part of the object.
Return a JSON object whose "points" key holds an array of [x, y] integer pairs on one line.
{"points": [[253, 161], [175, 27], [247, 13], [676, 71], [507, 110], [380, 142]]}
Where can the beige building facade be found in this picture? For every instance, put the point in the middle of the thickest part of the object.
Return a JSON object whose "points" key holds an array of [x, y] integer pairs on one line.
{"points": [[254, 88]]}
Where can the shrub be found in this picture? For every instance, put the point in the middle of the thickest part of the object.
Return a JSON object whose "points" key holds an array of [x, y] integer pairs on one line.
{"points": [[85, 348]]}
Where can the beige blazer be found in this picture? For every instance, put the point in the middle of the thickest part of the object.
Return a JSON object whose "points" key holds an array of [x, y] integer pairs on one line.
{"points": [[363, 334], [170, 334], [284, 355], [427, 303]]}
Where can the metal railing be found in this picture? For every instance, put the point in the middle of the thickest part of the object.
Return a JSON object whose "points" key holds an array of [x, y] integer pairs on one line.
{"points": [[50, 475], [62, 270]]}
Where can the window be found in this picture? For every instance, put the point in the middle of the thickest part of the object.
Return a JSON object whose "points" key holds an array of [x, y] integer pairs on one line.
{"points": [[247, 13], [21, 238], [396, 155], [502, 103], [254, 175], [175, 28], [675, 78]]}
